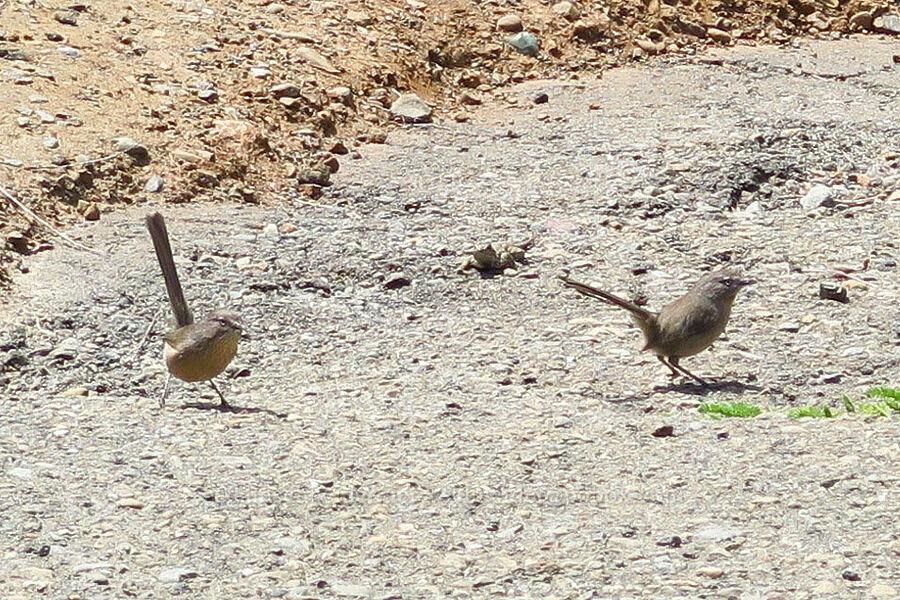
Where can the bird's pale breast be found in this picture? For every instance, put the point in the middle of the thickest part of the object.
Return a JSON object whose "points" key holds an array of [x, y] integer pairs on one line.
{"points": [[199, 355]]}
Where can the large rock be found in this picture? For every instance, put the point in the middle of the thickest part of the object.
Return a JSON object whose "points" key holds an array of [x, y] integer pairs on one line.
{"points": [[411, 108], [887, 23], [525, 42]]}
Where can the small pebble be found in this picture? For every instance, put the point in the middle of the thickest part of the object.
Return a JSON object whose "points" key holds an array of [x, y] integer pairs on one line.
{"points": [[208, 96], [829, 290], [511, 23], [154, 184], [66, 17], [69, 51]]}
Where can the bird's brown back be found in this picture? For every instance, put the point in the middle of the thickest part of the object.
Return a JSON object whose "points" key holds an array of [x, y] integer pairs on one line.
{"points": [[689, 325]]}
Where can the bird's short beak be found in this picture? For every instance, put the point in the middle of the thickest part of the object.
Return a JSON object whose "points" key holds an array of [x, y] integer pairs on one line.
{"points": [[746, 282]]}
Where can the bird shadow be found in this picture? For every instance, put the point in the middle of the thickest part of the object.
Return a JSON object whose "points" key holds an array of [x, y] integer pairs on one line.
{"points": [[693, 388], [231, 408], [696, 388]]}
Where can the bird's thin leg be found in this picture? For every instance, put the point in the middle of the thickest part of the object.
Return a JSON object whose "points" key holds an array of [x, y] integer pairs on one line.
{"points": [[162, 401], [663, 360], [221, 397], [673, 360]]}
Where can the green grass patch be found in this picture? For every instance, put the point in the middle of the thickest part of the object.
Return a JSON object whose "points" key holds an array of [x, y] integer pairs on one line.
{"points": [[815, 412], [882, 409], [885, 403], [730, 409], [889, 396], [884, 392]]}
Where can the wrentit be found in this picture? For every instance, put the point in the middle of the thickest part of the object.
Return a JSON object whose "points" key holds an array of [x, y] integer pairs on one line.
{"points": [[194, 351], [686, 326]]}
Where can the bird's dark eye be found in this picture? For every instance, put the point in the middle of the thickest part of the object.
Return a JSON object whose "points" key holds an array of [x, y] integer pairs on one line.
{"points": [[728, 282]]}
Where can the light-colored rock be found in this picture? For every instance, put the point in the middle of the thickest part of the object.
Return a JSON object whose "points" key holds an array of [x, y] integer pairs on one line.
{"points": [[816, 197], [882, 590], [511, 23], [723, 37], [175, 575], [360, 17], [90, 211], [827, 587], [526, 43], [69, 51], [21, 473], [566, 10], [315, 59], [75, 392], [349, 589], [154, 184], [411, 108], [888, 23], [285, 90], [35, 574], [718, 533], [648, 46]]}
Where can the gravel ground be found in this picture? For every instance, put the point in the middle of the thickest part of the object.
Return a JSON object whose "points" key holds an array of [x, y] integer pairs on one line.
{"points": [[411, 431]]}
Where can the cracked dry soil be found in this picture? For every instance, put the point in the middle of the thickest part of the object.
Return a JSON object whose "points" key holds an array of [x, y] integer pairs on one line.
{"points": [[425, 433]]}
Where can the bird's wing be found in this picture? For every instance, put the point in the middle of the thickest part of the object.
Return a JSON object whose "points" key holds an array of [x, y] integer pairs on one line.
{"points": [[688, 325], [195, 336]]}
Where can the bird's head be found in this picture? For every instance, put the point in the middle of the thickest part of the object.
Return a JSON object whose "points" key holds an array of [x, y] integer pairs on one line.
{"points": [[723, 284], [228, 319]]}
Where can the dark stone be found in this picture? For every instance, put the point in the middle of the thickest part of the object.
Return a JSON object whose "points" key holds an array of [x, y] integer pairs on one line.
{"points": [[674, 542], [664, 431], [829, 290], [314, 176], [396, 282]]}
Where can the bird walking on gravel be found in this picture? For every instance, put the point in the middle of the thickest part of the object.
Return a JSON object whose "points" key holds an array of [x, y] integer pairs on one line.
{"points": [[686, 326], [194, 351]]}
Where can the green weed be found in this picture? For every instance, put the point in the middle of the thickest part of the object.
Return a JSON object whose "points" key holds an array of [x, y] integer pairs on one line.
{"points": [[730, 409], [890, 396], [875, 408], [848, 403], [884, 392], [816, 412]]}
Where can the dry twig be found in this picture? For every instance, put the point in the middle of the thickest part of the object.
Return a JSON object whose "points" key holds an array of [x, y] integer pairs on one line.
{"points": [[46, 224]]}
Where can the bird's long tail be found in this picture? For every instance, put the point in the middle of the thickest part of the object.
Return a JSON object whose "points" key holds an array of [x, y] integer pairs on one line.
{"points": [[641, 314], [157, 227]]}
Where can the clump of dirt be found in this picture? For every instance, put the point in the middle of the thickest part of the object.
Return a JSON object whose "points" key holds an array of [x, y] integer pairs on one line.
{"points": [[245, 101]]}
